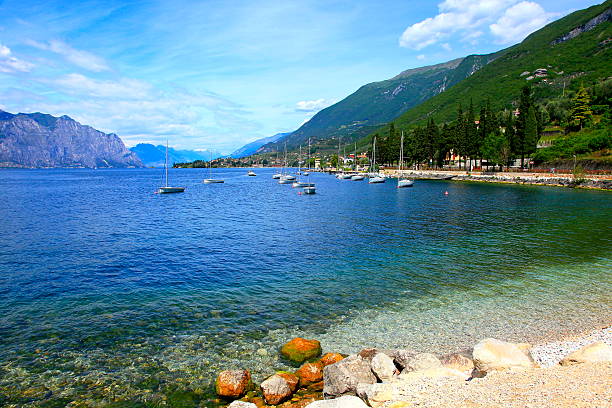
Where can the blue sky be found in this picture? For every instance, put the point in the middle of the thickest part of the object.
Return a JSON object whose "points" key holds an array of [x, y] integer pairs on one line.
{"points": [[219, 74]]}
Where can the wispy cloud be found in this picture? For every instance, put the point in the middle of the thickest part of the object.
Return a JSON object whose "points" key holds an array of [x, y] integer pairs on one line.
{"points": [[80, 58], [10, 63], [507, 20], [312, 106]]}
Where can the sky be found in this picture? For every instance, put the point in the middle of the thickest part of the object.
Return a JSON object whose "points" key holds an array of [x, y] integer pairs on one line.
{"points": [[219, 74]]}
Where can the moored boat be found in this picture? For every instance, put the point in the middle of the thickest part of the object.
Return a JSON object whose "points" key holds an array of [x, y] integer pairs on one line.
{"points": [[167, 189]]}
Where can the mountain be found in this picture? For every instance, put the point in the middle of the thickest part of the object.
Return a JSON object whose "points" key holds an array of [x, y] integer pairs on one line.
{"points": [[155, 156], [574, 49], [253, 147], [377, 103], [41, 140]]}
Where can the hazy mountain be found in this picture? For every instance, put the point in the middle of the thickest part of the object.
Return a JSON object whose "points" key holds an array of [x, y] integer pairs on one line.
{"points": [[155, 156], [252, 147], [41, 140]]}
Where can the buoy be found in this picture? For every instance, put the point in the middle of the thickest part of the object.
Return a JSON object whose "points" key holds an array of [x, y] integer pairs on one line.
{"points": [[446, 193]]}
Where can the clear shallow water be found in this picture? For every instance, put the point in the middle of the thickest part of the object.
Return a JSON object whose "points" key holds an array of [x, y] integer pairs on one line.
{"points": [[109, 292]]}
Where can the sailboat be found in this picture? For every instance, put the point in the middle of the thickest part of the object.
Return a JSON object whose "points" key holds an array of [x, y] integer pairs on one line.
{"points": [[210, 179], [377, 177], [277, 175], [307, 173], [309, 188], [402, 182], [343, 175], [286, 178], [298, 182], [356, 177], [167, 189]]}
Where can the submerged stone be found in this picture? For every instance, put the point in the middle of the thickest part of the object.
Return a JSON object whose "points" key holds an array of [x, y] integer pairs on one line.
{"points": [[299, 350]]}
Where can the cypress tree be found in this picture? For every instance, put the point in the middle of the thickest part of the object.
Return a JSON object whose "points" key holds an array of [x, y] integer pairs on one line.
{"points": [[581, 108]]}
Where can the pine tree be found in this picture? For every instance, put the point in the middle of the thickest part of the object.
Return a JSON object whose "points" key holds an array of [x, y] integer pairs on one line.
{"points": [[531, 131], [581, 108], [525, 102], [459, 128]]}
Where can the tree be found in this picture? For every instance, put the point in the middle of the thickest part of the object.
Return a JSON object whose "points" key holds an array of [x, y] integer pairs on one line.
{"points": [[495, 148], [459, 135], [581, 108], [521, 147], [333, 161]]}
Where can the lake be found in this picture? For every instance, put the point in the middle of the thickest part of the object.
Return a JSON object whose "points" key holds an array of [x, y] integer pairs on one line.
{"points": [[111, 292]]}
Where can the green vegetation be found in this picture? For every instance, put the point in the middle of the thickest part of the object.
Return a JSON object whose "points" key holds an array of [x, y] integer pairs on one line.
{"points": [[581, 144]]}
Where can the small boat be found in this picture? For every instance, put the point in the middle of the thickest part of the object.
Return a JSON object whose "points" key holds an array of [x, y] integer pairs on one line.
{"points": [[376, 178], [402, 182], [344, 176], [277, 176], [310, 190], [251, 173], [167, 189], [357, 177], [211, 180], [288, 177], [285, 180], [298, 184]]}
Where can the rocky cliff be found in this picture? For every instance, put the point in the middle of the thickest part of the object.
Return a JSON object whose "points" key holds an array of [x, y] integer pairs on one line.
{"points": [[40, 140]]}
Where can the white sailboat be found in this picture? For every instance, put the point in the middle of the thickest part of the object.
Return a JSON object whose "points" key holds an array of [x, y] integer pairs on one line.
{"points": [[276, 176], [355, 176], [210, 179], [309, 188], [402, 182], [167, 189], [286, 178], [251, 173], [307, 173], [298, 182], [377, 178]]}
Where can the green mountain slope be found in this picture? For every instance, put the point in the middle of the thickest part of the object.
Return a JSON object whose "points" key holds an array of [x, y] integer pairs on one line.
{"points": [[379, 102], [574, 49]]}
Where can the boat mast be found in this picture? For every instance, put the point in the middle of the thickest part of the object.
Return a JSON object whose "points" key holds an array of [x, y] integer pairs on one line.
{"points": [[399, 173], [374, 155], [355, 158], [308, 154], [166, 163]]}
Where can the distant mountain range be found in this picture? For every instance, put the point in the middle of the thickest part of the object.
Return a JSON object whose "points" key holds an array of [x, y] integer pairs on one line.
{"points": [[377, 103], [253, 147], [155, 156], [41, 140]]}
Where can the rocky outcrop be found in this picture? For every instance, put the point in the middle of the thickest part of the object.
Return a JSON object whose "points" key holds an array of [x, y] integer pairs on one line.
{"points": [[233, 383], [40, 140], [598, 352], [383, 367], [299, 350], [496, 355], [589, 25], [310, 373]]}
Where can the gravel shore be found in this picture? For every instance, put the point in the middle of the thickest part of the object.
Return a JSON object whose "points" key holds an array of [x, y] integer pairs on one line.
{"points": [[550, 353]]}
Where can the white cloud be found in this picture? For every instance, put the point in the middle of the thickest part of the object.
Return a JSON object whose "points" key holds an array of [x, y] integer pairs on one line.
{"points": [[468, 17], [447, 46], [519, 21], [123, 88], [80, 58], [420, 57], [11, 64], [312, 106]]}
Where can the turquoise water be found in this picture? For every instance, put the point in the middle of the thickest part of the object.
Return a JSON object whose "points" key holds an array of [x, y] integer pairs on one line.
{"points": [[112, 293]]}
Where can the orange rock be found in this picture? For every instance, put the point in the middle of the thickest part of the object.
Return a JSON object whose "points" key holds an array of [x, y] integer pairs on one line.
{"points": [[310, 373], [330, 358], [299, 350], [233, 383], [279, 387], [316, 386]]}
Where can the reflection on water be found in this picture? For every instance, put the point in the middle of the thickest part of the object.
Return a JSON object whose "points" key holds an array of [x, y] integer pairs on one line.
{"points": [[110, 292]]}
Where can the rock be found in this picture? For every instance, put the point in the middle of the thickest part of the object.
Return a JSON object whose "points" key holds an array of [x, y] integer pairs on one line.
{"points": [[382, 366], [495, 355], [347, 401], [299, 350], [330, 358], [316, 386], [593, 353], [375, 395], [233, 383], [279, 387], [422, 361], [401, 357], [343, 376], [241, 404], [310, 373], [458, 362]]}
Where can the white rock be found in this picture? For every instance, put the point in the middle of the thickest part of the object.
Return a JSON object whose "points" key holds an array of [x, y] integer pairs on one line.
{"points": [[241, 404], [348, 401], [593, 353], [496, 355], [422, 361], [342, 377], [382, 366]]}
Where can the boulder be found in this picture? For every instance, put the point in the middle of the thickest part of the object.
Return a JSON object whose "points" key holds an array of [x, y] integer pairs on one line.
{"points": [[593, 353], [421, 361], [299, 350], [347, 401], [342, 377], [330, 358], [375, 395], [496, 355], [279, 387], [458, 362], [383, 367], [241, 404], [310, 373], [233, 383], [401, 357]]}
